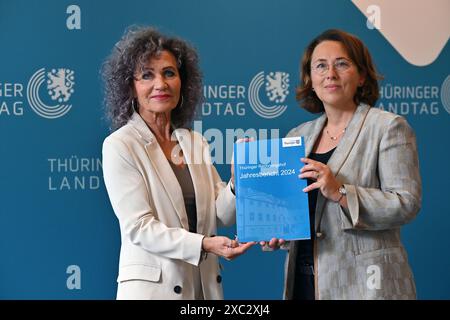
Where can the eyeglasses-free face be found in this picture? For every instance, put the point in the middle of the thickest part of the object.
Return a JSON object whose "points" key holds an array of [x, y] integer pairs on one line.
{"points": [[157, 87]]}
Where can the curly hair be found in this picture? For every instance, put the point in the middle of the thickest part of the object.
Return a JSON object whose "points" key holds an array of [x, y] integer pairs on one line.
{"points": [[132, 53], [368, 93]]}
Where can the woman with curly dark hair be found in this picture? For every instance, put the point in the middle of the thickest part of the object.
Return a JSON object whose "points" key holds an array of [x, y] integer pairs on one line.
{"points": [[164, 190]]}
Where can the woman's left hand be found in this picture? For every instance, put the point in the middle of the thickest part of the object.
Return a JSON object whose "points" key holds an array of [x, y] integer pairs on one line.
{"points": [[325, 180]]}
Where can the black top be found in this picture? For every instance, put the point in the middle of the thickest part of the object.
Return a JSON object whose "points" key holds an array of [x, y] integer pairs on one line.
{"points": [[305, 255]]}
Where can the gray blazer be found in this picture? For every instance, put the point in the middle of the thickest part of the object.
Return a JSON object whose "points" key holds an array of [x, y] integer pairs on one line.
{"points": [[361, 255]]}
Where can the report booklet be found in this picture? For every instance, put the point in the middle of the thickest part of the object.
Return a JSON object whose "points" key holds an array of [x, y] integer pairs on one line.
{"points": [[270, 202]]}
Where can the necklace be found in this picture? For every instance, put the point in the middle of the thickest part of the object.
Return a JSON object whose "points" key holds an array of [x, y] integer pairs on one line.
{"points": [[334, 138]]}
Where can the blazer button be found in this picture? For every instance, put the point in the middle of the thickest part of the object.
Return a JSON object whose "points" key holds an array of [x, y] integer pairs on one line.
{"points": [[177, 289], [219, 278], [320, 235]]}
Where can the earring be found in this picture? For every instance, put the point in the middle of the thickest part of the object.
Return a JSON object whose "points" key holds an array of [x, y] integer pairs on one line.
{"points": [[181, 104], [133, 104]]}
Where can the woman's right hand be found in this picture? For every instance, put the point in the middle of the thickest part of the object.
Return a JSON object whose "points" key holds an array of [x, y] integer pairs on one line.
{"points": [[225, 247]]}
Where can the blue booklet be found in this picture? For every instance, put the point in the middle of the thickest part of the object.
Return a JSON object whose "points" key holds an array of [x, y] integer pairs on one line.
{"points": [[270, 202]]}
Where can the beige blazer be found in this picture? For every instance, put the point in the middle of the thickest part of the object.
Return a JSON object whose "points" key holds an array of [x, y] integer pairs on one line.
{"points": [[158, 255], [361, 255]]}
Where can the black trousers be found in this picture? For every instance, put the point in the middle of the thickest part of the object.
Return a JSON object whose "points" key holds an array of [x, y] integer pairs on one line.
{"points": [[304, 283]]}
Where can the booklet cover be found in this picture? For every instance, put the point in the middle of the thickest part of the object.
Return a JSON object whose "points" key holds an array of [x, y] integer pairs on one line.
{"points": [[270, 202]]}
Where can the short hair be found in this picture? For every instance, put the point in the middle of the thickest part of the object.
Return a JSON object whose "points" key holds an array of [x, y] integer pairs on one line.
{"points": [[368, 93], [133, 52]]}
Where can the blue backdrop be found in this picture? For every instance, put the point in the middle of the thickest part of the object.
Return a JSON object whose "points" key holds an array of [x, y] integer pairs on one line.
{"points": [[59, 237]]}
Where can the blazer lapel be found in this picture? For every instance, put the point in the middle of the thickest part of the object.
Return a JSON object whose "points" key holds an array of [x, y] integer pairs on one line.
{"points": [[316, 129], [348, 140], [342, 151], [193, 154], [162, 168]]}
